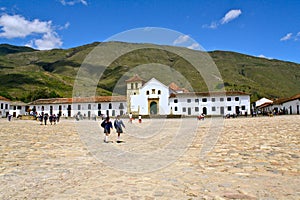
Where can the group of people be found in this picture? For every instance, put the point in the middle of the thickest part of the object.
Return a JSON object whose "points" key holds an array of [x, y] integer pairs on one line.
{"points": [[53, 119], [107, 126], [131, 118]]}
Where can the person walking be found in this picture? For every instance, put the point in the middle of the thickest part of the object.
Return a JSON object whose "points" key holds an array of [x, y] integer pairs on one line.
{"points": [[54, 119], [45, 118], [130, 117], [57, 118], [119, 125], [107, 125], [51, 119]]}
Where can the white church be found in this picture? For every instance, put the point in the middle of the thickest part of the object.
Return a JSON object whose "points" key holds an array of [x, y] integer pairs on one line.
{"points": [[143, 98]]}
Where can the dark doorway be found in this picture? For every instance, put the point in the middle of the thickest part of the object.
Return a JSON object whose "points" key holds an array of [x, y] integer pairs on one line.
{"points": [[204, 110], [59, 110], [69, 110], [222, 110], [189, 111], [153, 108], [26, 108], [298, 110], [237, 110]]}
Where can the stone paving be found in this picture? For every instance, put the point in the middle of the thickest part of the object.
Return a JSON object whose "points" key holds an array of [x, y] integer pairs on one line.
{"points": [[247, 158]]}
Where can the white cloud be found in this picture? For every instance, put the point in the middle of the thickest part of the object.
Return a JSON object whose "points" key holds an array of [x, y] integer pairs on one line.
{"points": [[263, 56], [16, 26], [297, 36], [181, 39], [288, 36], [66, 26], [212, 25], [49, 41], [73, 2], [194, 46], [231, 15], [186, 41], [2, 8]]}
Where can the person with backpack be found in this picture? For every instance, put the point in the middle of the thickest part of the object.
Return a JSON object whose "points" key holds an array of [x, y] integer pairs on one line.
{"points": [[107, 125], [119, 125], [51, 119], [45, 118]]}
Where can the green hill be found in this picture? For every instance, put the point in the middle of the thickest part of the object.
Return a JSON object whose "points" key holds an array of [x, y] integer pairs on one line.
{"points": [[7, 49], [25, 72]]}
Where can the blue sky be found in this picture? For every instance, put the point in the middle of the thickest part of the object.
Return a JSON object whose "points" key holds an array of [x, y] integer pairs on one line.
{"points": [[261, 28]]}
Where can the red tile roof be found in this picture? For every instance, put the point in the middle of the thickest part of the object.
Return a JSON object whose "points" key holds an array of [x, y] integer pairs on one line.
{"points": [[4, 99], [135, 78], [97, 99], [283, 100], [175, 87], [264, 105]]}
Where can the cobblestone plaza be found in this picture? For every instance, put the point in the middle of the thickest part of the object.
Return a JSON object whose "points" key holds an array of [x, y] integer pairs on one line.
{"points": [[252, 158]]}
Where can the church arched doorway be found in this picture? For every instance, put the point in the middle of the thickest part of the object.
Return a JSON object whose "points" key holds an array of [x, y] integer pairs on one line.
{"points": [[153, 108]]}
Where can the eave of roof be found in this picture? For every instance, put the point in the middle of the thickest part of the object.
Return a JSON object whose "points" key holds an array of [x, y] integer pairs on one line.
{"points": [[284, 100], [4, 99], [227, 93], [135, 78], [97, 99]]}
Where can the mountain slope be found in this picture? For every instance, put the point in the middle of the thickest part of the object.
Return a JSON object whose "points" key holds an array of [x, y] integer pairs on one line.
{"points": [[22, 73], [8, 49]]}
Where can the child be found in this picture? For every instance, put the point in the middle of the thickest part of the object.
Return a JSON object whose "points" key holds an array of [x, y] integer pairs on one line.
{"points": [[107, 125], [130, 117], [118, 126]]}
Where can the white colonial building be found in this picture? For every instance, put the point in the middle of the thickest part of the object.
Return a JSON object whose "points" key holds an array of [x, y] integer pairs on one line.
{"points": [[292, 104], [18, 108], [4, 106], [85, 106], [289, 105], [213, 103]]}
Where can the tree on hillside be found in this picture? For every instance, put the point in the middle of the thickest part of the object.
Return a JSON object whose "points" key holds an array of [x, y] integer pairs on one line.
{"points": [[41, 93]]}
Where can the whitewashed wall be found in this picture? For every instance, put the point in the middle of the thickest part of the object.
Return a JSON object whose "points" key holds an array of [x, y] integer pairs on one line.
{"points": [[16, 110], [85, 109], [213, 105], [140, 102], [292, 106], [4, 108]]}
